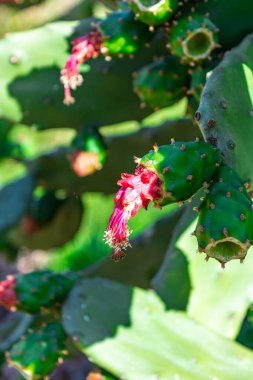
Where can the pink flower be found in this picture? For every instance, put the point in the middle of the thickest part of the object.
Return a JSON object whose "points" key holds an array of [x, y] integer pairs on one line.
{"points": [[84, 48], [137, 190], [8, 296]]}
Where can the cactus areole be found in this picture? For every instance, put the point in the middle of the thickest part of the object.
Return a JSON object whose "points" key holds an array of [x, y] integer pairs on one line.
{"points": [[168, 174]]}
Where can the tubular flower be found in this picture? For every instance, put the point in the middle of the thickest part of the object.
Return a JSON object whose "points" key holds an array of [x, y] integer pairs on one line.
{"points": [[137, 190], [8, 296], [84, 48]]}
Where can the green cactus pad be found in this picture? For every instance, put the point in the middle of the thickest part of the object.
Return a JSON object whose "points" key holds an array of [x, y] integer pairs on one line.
{"points": [[184, 168], [42, 289], [162, 83], [37, 354], [224, 229], [193, 38], [123, 34], [128, 332], [225, 114], [153, 12]]}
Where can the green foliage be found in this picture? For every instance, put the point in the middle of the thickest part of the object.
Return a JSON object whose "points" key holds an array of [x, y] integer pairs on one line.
{"points": [[133, 320], [59, 168], [37, 354]]}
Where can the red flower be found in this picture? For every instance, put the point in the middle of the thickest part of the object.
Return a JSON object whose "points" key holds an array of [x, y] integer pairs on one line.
{"points": [[8, 296], [137, 190], [84, 48]]}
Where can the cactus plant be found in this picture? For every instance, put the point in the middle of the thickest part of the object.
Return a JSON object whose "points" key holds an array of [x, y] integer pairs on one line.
{"points": [[154, 12], [38, 353], [218, 115], [193, 38], [161, 84], [170, 173], [58, 172], [224, 229], [139, 323], [33, 291]]}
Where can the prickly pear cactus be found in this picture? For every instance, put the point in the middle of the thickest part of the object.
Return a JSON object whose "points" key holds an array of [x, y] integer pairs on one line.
{"points": [[123, 34], [139, 69], [34, 291], [224, 230], [222, 122], [162, 83], [193, 38], [37, 354]]}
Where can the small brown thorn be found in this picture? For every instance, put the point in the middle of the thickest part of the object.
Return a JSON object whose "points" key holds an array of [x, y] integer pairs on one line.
{"points": [[242, 216], [223, 265], [228, 194], [207, 258], [201, 228], [137, 160], [225, 232], [155, 147], [166, 169], [180, 203], [189, 177], [182, 147], [242, 260], [196, 209]]}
